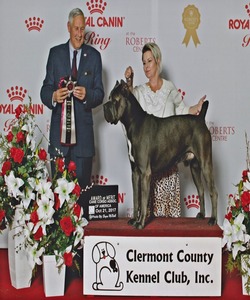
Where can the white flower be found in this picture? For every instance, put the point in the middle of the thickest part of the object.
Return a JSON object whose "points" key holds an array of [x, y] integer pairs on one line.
{"points": [[63, 189], [45, 210], [34, 255], [227, 234], [78, 234], [44, 189], [246, 185], [59, 259], [27, 197], [29, 127], [238, 228], [238, 246], [13, 184]]}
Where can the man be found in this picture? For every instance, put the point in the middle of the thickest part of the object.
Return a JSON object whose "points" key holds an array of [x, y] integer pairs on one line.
{"points": [[72, 99]]}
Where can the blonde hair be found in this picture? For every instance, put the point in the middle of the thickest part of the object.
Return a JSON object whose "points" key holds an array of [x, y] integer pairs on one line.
{"points": [[156, 52]]}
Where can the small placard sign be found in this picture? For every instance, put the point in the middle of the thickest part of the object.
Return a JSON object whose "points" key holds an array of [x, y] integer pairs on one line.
{"points": [[101, 202]]}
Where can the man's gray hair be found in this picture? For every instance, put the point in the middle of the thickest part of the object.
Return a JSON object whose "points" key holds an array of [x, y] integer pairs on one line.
{"points": [[74, 13]]}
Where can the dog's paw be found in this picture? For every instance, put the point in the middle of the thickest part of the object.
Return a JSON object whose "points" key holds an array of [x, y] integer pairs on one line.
{"points": [[200, 216], [132, 222], [212, 221], [139, 226]]}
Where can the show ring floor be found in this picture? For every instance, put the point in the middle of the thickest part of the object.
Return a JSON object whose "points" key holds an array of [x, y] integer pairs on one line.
{"points": [[231, 283]]}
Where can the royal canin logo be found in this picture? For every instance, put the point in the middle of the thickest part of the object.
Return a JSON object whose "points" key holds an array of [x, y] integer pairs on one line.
{"points": [[98, 20], [242, 24], [192, 201], [95, 6], [98, 7], [16, 93], [99, 179], [34, 23]]}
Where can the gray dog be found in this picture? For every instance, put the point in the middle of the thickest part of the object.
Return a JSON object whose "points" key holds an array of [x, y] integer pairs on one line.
{"points": [[156, 144]]}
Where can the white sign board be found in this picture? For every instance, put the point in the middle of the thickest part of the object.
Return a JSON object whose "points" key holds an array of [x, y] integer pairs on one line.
{"points": [[152, 266]]}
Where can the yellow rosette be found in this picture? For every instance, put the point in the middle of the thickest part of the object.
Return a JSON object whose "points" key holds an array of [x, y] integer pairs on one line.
{"points": [[191, 22]]}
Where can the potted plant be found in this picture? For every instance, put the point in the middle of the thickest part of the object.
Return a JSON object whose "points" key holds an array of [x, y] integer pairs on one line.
{"points": [[43, 211], [236, 228]]}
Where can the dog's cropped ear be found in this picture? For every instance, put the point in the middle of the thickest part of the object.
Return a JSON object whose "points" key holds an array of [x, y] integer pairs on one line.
{"points": [[123, 83], [124, 86]]}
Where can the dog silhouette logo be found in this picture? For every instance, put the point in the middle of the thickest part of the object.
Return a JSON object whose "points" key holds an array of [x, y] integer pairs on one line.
{"points": [[107, 269]]}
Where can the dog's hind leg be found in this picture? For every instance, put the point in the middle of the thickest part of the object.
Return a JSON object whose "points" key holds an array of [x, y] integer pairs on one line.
{"points": [[208, 175], [196, 174]]}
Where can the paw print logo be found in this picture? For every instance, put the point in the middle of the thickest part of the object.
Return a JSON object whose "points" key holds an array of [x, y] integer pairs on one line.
{"points": [[247, 7], [192, 201], [96, 6], [16, 93], [182, 93], [34, 23], [99, 179]]}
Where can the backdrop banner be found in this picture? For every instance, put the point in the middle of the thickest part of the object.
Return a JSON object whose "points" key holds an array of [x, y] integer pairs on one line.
{"points": [[205, 48]]}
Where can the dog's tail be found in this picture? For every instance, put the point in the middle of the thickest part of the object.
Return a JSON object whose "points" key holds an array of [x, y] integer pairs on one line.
{"points": [[204, 108]]}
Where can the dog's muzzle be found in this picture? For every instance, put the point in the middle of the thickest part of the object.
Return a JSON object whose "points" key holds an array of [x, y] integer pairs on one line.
{"points": [[110, 113]]}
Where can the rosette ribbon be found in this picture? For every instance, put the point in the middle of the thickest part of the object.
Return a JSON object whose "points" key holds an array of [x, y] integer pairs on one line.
{"points": [[68, 127]]}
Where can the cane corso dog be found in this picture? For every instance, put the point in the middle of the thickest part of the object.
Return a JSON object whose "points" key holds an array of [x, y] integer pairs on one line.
{"points": [[156, 144]]}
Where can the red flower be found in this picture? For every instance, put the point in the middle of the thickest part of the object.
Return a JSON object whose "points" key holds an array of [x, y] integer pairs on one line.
{"points": [[237, 203], [20, 137], [6, 167], [77, 210], [9, 137], [72, 166], [57, 201], [229, 216], [67, 225], [18, 111], [2, 214], [42, 154], [39, 234], [68, 259], [245, 200], [17, 154], [244, 175], [34, 217], [77, 190], [60, 164]]}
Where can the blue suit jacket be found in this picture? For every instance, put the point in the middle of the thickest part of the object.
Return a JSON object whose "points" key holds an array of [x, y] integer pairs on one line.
{"points": [[89, 75]]}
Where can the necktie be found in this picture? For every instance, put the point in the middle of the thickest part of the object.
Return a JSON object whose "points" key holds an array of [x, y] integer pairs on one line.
{"points": [[74, 68]]}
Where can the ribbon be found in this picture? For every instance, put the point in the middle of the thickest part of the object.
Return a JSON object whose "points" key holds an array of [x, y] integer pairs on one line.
{"points": [[68, 128], [191, 22]]}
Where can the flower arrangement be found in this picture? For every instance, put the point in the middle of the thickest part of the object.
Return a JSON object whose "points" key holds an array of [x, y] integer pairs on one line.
{"points": [[47, 210], [236, 226]]}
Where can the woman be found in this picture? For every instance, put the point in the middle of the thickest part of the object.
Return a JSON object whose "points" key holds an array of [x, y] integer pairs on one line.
{"points": [[161, 98]]}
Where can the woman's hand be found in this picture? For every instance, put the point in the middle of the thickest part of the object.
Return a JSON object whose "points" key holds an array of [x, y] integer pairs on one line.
{"points": [[129, 75], [195, 110]]}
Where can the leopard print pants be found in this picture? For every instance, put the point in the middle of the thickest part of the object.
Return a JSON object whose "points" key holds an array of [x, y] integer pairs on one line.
{"points": [[165, 194]]}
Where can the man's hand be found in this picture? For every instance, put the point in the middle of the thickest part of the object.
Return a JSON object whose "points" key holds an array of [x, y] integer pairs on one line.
{"points": [[60, 95], [79, 92]]}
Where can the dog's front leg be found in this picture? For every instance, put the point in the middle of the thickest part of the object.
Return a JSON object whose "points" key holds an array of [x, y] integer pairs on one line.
{"points": [[144, 200], [136, 192]]}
